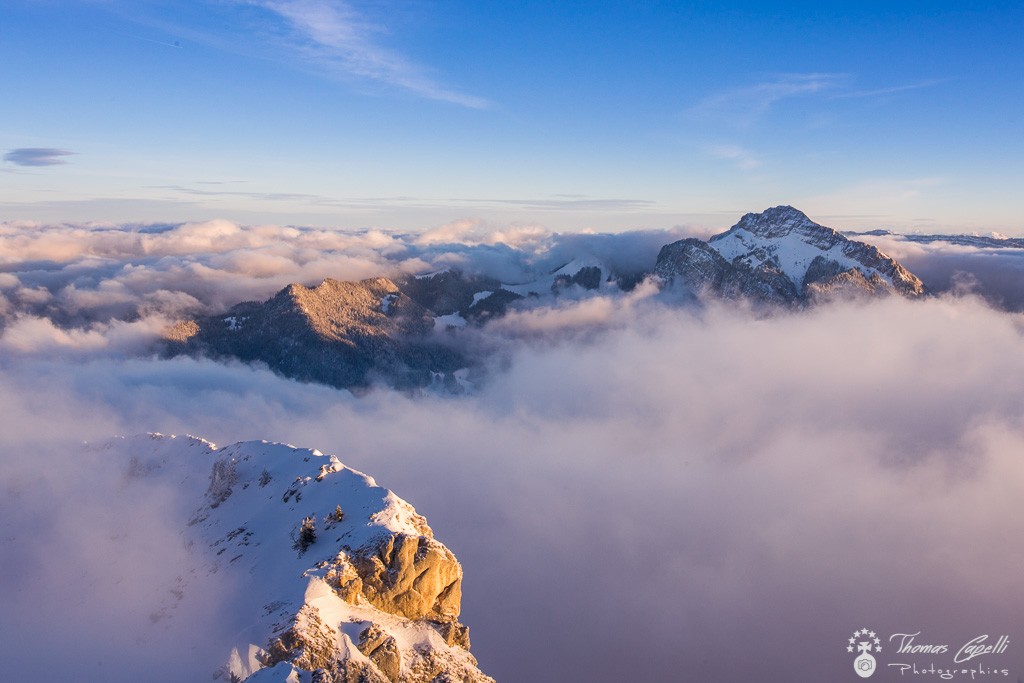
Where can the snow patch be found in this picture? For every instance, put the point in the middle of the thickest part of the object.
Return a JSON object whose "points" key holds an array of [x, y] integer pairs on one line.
{"points": [[480, 296], [386, 302], [545, 284], [443, 322]]}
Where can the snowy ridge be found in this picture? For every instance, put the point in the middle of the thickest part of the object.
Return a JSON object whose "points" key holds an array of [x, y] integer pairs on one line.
{"points": [[339, 574], [792, 256], [785, 238], [573, 272], [428, 276]]}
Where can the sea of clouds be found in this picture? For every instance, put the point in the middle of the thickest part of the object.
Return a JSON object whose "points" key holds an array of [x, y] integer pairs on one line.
{"points": [[638, 492]]}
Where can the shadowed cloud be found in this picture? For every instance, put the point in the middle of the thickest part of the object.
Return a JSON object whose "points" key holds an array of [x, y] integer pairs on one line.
{"points": [[37, 156]]}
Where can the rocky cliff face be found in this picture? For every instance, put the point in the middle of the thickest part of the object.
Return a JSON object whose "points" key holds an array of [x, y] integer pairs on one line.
{"points": [[346, 334], [446, 291], [345, 582], [354, 334], [780, 256]]}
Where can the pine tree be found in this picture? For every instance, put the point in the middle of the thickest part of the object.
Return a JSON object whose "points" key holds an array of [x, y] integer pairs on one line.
{"points": [[307, 534], [337, 515], [265, 477]]}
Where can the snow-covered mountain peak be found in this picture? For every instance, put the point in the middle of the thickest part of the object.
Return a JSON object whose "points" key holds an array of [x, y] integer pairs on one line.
{"points": [[778, 228], [335, 573], [775, 222], [785, 239], [782, 256]]}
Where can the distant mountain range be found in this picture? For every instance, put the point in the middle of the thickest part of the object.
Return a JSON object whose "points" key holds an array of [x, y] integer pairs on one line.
{"points": [[404, 332], [978, 241]]}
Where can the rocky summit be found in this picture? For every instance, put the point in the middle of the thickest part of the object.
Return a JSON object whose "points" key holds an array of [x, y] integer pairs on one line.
{"points": [[780, 256], [339, 580], [346, 334]]}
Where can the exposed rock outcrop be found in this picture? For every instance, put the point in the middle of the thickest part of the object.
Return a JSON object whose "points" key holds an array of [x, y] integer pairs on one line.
{"points": [[695, 268], [346, 334], [352, 583]]}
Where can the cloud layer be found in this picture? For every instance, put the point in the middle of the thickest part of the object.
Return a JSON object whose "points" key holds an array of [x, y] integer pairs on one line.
{"points": [[994, 272], [626, 506], [639, 493], [88, 277]]}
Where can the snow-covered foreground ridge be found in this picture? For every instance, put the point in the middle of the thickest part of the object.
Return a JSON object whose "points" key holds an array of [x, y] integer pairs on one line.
{"points": [[338, 578]]}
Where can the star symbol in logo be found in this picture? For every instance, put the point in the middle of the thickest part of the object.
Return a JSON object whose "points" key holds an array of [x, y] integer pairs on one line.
{"points": [[864, 640]]}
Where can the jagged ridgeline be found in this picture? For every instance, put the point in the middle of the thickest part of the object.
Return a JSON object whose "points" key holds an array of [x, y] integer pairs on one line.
{"points": [[339, 579], [404, 332]]}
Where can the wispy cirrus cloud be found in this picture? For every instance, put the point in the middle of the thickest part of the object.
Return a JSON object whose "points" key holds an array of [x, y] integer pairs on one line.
{"points": [[37, 156], [573, 203], [332, 33], [555, 202], [744, 159], [745, 105], [891, 90]]}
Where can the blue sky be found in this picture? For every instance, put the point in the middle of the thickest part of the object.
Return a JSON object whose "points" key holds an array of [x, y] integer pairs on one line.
{"points": [[573, 115]]}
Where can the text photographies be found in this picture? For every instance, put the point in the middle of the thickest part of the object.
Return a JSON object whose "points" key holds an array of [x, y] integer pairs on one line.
{"points": [[975, 647]]}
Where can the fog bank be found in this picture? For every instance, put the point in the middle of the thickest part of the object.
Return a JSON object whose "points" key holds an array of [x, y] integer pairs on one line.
{"points": [[700, 496]]}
